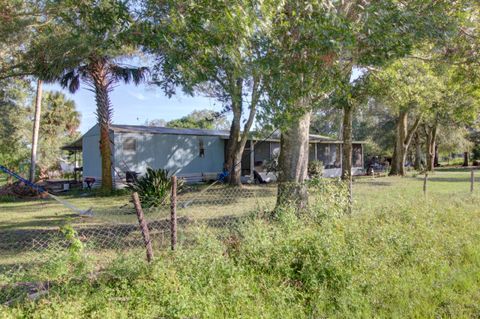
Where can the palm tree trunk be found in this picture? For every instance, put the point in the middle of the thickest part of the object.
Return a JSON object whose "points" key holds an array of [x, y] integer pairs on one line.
{"points": [[293, 163], [99, 74], [36, 129]]}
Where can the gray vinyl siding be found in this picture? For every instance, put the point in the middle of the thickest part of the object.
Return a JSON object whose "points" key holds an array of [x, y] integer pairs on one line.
{"points": [[177, 153], [92, 160], [92, 163]]}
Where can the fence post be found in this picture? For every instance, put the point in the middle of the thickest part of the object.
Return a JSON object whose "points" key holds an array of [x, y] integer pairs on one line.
{"points": [[143, 226], [173, 213], [472, 180], [425, 184]]}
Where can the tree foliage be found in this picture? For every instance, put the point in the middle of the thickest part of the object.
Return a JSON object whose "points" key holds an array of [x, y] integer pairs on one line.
{"points": [[59, 126], [203, 119], [15, 96], [212, 48]]}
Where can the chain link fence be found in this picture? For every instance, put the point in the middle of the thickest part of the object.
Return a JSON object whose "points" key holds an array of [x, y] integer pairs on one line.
{"points": [[38, 236], [40, 233]]}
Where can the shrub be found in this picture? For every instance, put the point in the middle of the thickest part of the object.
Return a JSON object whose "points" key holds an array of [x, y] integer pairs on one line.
{"points": [[154, 187], [7, 199], [329, 198], [315, 169]]}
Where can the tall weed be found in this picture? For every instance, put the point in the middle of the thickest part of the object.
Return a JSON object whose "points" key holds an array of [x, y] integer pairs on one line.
{"points": [[406, 259]]}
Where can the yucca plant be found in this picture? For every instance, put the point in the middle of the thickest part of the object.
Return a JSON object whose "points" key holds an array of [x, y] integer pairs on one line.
{"points": [[154, 187]]}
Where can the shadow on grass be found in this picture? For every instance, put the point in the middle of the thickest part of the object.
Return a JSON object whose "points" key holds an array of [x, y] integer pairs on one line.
{"points": [[374, 183], [99, 236], [456, 169], [42, 222], [442, 179]]}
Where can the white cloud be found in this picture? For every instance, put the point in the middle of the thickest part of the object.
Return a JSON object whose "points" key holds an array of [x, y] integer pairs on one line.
{"points": [[138, 96]]}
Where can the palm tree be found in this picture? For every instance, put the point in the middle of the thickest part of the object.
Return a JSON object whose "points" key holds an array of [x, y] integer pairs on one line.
{"points": [[101, 74], [83, 42]]}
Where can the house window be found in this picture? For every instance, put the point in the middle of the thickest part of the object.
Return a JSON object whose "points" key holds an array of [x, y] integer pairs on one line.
{"points": [[129, 144], [201, 148]]}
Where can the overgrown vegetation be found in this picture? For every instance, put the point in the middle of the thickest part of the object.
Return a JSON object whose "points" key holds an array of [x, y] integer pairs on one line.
{"points": [[398, 256]]}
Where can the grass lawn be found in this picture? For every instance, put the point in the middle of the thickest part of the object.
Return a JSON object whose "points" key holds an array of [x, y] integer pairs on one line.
{"points": [[24, 222], [400, 254]]}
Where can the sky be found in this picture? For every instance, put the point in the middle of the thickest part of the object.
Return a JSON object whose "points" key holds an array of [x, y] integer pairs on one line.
{"points": [[136, 104]]}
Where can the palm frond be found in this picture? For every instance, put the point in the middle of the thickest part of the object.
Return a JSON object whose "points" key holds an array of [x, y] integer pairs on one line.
{"points": [[71, 80], [129, 74]]}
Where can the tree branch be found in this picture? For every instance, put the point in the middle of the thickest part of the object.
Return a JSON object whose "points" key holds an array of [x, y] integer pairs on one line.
{"points": [[256, 92], [412, 130]]}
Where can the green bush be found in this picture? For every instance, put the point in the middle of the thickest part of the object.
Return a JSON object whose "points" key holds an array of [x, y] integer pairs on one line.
{"points": [[7, 199], [154, 187], [315, 169]]}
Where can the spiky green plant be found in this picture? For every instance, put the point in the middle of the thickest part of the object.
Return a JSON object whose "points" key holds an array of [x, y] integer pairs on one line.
{"points": [[153, 188]]}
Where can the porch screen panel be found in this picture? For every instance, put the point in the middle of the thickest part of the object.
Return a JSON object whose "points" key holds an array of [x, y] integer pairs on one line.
{"points": [[274, 149], [330, 155], [262, 152], [336, 155], [246, 160], [311, 152], [323, 152], [356, 155]]}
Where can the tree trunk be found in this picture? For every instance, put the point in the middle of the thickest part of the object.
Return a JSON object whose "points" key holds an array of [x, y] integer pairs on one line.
{"points": [[465, 159], [436, 157], [347, 142], [398, 160], [431, 137], [293, 163], [237, 140], [402, 142], [99, 74], [36, 129], [418, 152], [234, 154]]}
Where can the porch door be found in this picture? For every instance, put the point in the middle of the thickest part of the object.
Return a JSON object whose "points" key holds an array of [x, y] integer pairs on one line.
{"points": [[246, 159]]}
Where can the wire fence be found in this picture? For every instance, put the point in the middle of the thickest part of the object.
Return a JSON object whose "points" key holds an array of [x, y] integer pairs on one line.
{"points": [[41, 234]]}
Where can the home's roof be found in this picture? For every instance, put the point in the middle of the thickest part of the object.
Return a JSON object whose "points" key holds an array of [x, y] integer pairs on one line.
{"points": [[224, 134], [74, 146], [167, 130]]}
